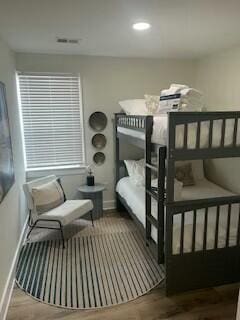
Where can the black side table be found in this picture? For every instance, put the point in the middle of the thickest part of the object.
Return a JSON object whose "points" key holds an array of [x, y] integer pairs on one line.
{"points": [[95, 193]]}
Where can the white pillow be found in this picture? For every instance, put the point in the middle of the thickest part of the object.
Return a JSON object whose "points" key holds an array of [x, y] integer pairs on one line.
{"points": [[134, 107], [178, 185], [197, 168], [136, 171]]}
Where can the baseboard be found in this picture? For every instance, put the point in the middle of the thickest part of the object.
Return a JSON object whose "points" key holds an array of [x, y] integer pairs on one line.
{"points": [[7, 292], [109, 205]]}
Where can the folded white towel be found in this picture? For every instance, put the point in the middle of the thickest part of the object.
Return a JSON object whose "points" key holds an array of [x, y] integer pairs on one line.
{"points": [[180, 97], [190, 99], [170, 91], [178, 87], [190, 107], [190, 92], [174, 88]]}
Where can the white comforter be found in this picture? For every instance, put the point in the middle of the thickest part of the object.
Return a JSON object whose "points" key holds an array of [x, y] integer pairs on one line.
{"points": [[135, 198], [160, 133]]}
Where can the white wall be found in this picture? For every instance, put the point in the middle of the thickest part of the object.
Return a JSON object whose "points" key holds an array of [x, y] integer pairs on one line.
{"points": [[218, 76], [105, 81], [12, 209]]}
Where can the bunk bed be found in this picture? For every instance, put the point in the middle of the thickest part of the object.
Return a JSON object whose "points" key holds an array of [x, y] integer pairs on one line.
{"points": [[196, 238]]}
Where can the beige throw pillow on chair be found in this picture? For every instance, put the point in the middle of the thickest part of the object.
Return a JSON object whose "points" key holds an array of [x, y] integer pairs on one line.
{"points": [[48, 196]]}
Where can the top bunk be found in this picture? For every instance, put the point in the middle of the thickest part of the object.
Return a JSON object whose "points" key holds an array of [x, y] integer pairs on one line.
{"points": [[186, 135]]}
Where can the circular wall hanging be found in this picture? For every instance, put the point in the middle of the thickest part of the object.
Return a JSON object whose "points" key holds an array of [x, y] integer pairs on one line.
{"points": [[99, 158], [99, 141], [98, 121]]}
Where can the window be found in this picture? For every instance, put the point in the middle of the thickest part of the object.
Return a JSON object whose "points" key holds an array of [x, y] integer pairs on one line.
{"points": [[52, 120]]}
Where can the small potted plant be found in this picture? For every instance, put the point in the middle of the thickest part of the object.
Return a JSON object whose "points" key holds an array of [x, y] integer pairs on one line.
{"points": [[90, 176]]}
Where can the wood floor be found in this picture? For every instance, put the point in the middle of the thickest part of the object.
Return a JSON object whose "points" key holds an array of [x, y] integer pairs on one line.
{"points": [[216, 303], [210, 304]]}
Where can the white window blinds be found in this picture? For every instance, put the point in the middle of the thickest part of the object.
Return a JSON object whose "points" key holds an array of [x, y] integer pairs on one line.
{"points": [[52, 120]]}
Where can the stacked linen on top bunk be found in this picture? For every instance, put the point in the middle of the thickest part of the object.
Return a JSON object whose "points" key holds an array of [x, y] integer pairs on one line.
{"points": [[190, 100], [180, 98]]}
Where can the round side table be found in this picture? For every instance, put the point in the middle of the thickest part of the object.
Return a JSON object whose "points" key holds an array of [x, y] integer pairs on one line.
{"points": [[94, 193]]}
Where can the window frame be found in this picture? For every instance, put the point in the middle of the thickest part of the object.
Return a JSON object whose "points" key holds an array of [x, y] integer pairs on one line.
{"points": [[60, 169]]}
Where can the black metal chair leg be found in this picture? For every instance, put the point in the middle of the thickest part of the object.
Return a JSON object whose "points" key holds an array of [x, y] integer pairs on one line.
{"points": [[61, 230], [31, 229], [91, 213], [29, 219], [29, 232]]}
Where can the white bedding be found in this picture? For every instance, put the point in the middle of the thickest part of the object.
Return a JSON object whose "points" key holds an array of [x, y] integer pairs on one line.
{"points": [[160, 133], [135, 198]]}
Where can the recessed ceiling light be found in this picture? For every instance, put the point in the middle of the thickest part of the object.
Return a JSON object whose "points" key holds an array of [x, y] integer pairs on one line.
{"points": [[141, 26]]}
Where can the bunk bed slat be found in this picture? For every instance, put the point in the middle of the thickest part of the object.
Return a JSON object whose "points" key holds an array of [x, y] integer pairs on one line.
{"points": [[223, 132], [217, 227], [205, 229], [152, 167], [198, 135], [151, 193], [185, 136], [228, 225], [182, 232], [210, 134], [152, 220], [194, 230], [235, 129]]}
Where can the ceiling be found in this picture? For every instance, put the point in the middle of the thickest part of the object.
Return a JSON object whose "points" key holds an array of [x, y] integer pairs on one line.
{"points": [[180, 28]]}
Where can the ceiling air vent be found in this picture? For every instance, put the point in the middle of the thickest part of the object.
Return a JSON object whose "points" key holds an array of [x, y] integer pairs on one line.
{"points": [[66, 40]]}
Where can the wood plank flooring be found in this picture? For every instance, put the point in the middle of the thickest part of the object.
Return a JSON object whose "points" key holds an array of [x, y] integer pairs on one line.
{"points": [[210, 304], [215, 303]]}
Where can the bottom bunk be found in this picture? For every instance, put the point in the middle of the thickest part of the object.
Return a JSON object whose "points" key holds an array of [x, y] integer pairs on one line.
{"points": [[134, 196], [201, 237]]}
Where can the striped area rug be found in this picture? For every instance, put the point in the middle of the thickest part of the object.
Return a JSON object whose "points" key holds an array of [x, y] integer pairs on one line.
{"points": [[101, 266]]}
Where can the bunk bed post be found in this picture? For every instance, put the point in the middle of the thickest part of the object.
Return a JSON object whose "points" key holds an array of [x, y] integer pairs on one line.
{"points": [[161, 187], [169, 199], [119, 205], [148, 202], [170, 160]]}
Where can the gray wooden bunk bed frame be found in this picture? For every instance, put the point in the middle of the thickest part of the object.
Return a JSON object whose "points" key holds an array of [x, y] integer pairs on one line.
{"points": [[186, 270]]}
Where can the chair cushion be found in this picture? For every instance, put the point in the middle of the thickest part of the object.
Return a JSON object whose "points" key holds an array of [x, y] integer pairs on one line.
{"points": [[68, 211], [47, 196]]}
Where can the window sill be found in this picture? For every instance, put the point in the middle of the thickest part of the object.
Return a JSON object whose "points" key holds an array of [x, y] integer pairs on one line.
{"points": [[56, 171]]}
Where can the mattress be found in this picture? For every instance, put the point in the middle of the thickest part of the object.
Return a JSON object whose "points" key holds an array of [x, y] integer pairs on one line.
{"points": [[160, 133], [135, 198]]}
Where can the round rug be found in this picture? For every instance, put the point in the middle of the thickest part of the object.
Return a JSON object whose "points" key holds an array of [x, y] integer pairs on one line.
{"points": [[100, 266]]}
